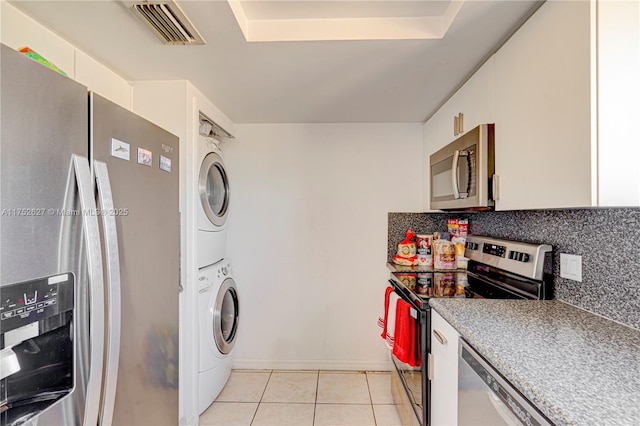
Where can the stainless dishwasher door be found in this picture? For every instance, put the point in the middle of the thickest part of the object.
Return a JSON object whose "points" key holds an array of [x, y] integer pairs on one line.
{"points": [[485, 398]]}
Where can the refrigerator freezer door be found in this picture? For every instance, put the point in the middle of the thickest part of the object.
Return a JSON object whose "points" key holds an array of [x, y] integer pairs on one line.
{"points": [[44, 123], [145, 201]]}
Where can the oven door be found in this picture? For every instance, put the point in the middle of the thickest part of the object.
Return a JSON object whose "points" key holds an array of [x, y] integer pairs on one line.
{"points": [[408, 393], [409, 385]]}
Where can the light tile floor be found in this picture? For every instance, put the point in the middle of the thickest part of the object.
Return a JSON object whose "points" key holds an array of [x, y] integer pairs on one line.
{"points": [[304, 398]]}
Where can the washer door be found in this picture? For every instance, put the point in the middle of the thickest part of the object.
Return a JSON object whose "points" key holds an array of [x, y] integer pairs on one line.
{"points": [[214, 189], [225, 316]]}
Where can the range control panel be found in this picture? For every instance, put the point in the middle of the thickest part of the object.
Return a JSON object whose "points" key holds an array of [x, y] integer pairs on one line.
{"points": [[31, 301], [521, 258], [494, 249]]}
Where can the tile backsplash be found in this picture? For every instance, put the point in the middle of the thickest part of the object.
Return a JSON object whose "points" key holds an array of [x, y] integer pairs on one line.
{"points": [[607, 239]]}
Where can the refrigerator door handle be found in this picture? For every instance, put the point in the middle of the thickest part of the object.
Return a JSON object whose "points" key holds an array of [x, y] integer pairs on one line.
{"points": [[112, 256], [91, 233]]}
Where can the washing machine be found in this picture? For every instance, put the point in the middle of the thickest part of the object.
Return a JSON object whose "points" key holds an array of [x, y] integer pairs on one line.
{"points": [[213, 203], [218, 315]]}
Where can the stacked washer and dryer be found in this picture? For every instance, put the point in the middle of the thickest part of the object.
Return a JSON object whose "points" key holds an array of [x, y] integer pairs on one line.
{"points": [[217, 291]]}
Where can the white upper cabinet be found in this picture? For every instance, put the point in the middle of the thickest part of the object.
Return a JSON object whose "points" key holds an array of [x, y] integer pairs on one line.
{"points": [[470, 106], [567, 91], [618, 107]]}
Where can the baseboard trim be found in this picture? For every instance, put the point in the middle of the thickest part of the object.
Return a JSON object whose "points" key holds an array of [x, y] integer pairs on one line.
{"points": [[338, 365]]}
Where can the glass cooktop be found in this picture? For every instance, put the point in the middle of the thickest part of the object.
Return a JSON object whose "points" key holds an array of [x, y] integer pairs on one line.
{"points": [[435, 284]]}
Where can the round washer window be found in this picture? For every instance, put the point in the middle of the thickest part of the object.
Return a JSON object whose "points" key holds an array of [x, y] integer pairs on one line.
{"points": [[228, 316], [225, 316], [214, 189], [217, 189]]}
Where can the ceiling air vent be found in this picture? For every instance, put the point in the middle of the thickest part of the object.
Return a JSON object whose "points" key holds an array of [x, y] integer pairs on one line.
{"points": [[167, 21]]}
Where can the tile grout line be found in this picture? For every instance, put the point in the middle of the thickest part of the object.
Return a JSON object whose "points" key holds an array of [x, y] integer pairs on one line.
{"points": [[315, 401], [315, 398], [375, 421], [261, 396]]}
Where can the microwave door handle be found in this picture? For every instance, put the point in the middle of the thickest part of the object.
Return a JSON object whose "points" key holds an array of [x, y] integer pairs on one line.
{"points": [[454, 174], [455, 167], [91, 234], [112, 260]]}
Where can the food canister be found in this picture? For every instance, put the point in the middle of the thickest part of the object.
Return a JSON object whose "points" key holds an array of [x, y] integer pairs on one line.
{"points": [[408, 280], [424, 259], [444, 254], [424, 243]]}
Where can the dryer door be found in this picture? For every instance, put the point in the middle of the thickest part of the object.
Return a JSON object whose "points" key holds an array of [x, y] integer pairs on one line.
{"points": [[213, 185], [225, 316]]}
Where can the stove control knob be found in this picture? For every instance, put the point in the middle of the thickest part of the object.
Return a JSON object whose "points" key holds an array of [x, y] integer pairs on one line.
{"points": [[524, 257], [512, 254]]}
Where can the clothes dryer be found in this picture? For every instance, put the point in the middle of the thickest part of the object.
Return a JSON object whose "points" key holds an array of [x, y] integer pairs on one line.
{"points": [[213, 203], [218, 313]]}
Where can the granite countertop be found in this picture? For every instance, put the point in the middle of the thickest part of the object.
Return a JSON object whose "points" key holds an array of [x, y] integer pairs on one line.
{"points": [[578, 368]]}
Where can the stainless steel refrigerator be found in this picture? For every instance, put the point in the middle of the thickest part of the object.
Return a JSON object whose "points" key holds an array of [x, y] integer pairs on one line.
{"points": [[89, 256]]}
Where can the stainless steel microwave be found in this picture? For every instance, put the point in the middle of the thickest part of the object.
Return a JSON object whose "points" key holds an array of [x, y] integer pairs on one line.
{"points": [[462, 172]]}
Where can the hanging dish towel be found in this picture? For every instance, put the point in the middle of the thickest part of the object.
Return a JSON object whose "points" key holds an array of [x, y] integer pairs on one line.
{"points": [[382, 319], [405, 348], [389, 320]]}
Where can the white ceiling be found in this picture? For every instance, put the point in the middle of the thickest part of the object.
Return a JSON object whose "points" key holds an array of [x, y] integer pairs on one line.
{"points": [[295, 81]]}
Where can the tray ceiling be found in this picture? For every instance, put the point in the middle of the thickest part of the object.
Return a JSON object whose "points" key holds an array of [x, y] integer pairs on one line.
{"points": [[312, 81], [343, 20]]}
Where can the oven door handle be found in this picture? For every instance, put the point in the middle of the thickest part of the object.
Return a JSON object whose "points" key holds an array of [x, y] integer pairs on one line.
{"points": [[405, 294]]}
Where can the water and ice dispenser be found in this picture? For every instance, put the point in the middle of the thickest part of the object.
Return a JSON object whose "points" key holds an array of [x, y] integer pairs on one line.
{"points": [[36, 345]]}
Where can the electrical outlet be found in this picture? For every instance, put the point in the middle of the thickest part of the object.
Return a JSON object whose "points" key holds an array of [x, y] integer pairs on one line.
{"points": [[571, 266]]}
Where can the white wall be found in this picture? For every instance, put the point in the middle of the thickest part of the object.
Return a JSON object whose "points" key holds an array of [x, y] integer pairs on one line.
{"points": [[308, 238]]}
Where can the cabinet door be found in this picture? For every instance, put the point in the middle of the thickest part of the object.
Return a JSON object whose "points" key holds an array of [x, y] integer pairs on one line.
{"points": [[444, 382], [543, 136], [618, 103], [475, 100]]}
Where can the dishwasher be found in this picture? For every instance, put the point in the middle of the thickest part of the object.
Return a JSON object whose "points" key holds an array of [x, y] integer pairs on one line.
{"points": [[487, 398]]}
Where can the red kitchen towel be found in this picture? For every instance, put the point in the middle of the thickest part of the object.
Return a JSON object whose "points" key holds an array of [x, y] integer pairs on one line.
{"points": [[388, 319], [405, 346], [382, 319]]}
